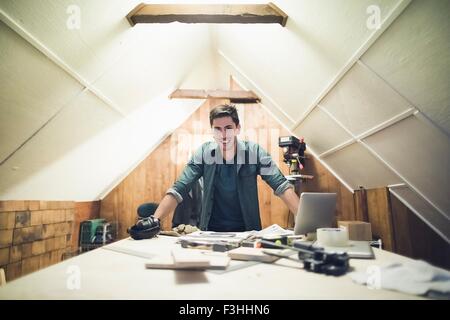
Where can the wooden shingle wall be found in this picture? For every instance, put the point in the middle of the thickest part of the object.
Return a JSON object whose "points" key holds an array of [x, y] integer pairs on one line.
{"points": [[36, 234]]}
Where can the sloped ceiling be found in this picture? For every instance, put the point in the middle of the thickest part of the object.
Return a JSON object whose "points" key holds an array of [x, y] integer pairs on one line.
{"points": [[372, 104], [80, 108]]}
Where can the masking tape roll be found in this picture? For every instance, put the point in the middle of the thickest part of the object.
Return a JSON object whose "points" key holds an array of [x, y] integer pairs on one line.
{"points": [[332, 237]]}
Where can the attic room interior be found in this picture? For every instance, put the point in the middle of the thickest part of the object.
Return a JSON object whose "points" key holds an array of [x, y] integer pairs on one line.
{"points": [[298, 148]]}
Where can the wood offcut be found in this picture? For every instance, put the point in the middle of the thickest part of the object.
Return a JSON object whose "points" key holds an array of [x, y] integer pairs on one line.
{"points": [[215, 13], [235, 96]]}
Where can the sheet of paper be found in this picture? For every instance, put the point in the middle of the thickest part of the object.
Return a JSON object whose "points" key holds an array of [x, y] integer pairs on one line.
{"points": [[212, 236], [274, 229]]}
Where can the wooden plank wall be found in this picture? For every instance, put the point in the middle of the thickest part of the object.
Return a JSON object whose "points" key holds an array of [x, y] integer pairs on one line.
{"points": [[324, 181], [413, 238], [259, 126], [380, 216], [85, 210], [400, 229], [149, 181], [37, 234]]}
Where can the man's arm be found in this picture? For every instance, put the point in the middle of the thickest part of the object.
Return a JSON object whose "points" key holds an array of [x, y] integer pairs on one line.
{"points": [[291, 199], [191, 173], [272, 175], [168, 204]]}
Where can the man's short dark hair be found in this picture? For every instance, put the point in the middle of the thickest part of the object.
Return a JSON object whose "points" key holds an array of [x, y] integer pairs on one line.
{"points": [[224, 110]]}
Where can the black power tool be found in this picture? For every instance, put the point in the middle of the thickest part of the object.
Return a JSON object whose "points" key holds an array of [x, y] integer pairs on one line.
{"points": [[316, 259], [147, 226]]}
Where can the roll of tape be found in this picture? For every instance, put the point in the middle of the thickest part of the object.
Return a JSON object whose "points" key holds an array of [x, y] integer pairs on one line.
{"points": [[332, 237]]}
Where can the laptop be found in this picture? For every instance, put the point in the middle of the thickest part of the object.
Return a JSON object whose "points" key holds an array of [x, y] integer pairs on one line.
{"points": [[316, 210]]}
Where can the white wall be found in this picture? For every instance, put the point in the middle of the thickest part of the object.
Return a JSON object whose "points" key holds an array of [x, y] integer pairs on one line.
{"points": [[80, 108]]}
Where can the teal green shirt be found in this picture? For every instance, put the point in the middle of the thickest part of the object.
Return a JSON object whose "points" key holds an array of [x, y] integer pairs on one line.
{"points": [[252, 160]]}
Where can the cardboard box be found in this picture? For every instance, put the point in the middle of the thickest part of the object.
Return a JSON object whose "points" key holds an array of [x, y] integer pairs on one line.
{"points": [[357, 230]]}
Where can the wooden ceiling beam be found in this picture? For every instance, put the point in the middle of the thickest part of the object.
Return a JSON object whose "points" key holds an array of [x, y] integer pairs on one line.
{"points": [[214, 13], [235, 96]]}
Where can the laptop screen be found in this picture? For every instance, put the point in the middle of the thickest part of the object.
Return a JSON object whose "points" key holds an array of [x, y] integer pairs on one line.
{"points": [[316, 210]]}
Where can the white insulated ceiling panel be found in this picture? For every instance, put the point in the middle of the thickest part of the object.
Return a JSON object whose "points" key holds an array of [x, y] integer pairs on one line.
{"points": [[32, 90], [45, 168], [358, 167], [293, 65], [89, 36], [361, 100], [413, 55], [321, 132], [128, 65], [420, 153], [438, 222]]}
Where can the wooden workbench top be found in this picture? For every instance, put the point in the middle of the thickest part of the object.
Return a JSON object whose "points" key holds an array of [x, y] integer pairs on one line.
{"points": [[108, 274]]}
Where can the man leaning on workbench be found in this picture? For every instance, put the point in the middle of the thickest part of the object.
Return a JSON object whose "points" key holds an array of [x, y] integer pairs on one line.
{"points": [[229, 168]]}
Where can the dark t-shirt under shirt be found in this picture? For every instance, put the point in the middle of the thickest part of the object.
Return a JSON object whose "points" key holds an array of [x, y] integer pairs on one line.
{"points": [[226, 214]]}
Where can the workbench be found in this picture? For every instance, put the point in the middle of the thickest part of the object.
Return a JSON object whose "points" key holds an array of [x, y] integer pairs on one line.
{"points": [[107, 274]]}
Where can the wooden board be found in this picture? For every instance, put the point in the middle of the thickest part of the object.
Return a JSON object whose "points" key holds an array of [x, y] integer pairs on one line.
{"points": [[211, 13], [235, 96], [380, 216], [360, 202]]}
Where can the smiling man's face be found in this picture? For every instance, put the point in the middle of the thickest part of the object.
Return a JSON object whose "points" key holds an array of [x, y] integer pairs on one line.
{"points": [[225, 132]]}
